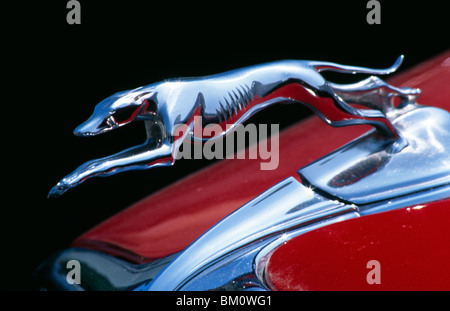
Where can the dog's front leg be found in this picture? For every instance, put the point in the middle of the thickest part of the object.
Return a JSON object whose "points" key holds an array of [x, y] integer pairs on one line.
{"points": [[135, 158]]}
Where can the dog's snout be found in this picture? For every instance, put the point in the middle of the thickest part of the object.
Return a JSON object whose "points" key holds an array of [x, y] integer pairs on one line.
{"points": [[81, 130], [87, 128]]}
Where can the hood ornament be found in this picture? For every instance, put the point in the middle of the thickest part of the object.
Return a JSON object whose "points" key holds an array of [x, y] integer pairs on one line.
{"points": [[231, 98]]}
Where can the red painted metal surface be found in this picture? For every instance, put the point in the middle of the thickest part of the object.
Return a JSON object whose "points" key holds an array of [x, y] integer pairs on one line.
{"points": [[411, 246], [169, 220]]}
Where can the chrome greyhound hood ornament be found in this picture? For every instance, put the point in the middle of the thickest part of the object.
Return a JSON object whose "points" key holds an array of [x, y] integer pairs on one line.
{"points": [[231, 98]]}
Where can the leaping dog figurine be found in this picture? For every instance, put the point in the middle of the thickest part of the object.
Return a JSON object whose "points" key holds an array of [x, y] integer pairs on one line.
{"points": [[231, 98]]}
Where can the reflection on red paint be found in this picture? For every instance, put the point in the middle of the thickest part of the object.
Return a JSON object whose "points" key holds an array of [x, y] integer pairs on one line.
{"points": [[411, 246]]}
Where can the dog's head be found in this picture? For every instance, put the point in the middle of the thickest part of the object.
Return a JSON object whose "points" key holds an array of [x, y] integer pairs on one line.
{"points": [[119, 110]]}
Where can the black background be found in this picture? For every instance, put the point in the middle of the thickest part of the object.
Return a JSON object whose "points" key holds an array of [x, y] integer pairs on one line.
{"points": [[57, 73]]}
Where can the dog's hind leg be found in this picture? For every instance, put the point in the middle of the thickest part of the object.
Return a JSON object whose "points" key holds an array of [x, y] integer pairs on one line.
{"points": [[374, 93]]}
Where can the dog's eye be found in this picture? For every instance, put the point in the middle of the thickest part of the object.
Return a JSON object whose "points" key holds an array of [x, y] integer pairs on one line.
{"points": [[124, 114]]}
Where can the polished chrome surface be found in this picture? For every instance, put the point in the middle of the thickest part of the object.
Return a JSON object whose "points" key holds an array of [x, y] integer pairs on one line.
{"points": [[229, 247], [364, 171], [228, 99], [233, 255]]}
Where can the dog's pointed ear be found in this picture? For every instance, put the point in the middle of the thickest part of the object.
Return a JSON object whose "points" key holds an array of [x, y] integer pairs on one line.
{"points": [[148, 103], [149, 106]]}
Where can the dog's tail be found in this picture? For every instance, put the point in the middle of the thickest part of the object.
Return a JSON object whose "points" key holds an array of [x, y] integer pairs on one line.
{"points": [[327, 66]]}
